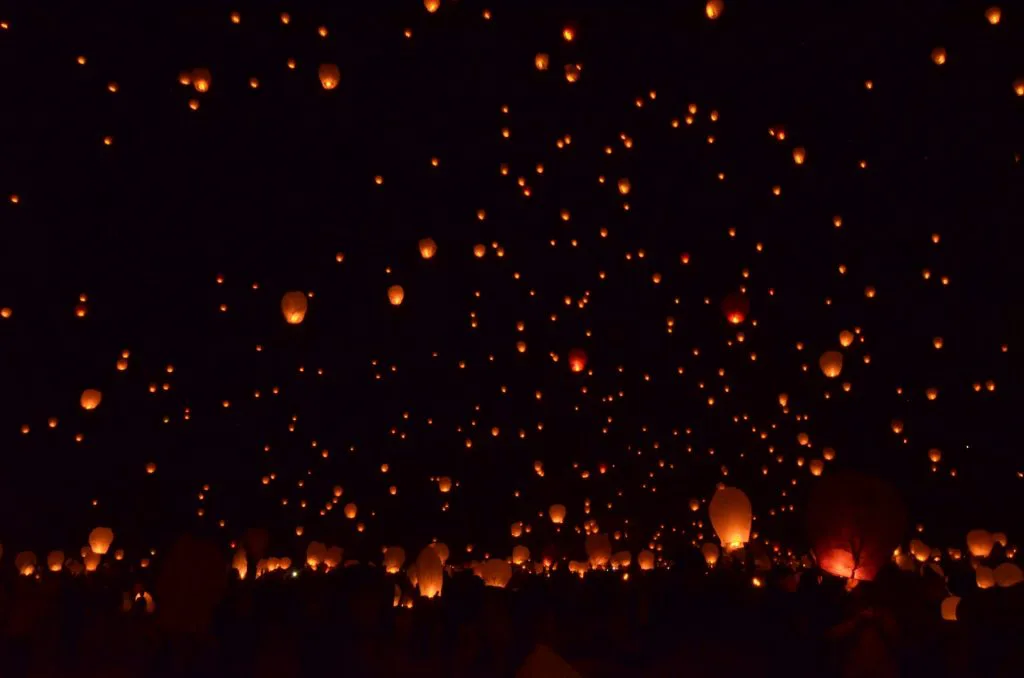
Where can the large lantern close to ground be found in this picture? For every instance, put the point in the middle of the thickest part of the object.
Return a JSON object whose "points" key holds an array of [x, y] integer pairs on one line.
{"points": [[854, 522], [731, 516]]}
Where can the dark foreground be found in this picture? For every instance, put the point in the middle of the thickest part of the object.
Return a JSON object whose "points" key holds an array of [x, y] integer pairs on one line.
{"points": [[661, 623]]}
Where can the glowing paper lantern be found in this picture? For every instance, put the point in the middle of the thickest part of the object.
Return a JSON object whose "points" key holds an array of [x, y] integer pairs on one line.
{"points": [[710, 552], [329, 76], [645, 559], [25, 563], [240, 563], [315, 553], [293, 306], [429, 573], [557, 513], [577, 360], [90, 399], [495, 572], [350, 510], [831, 363], [731, 516], [845, 338], [984, 577], [428, 248], [394, 558], [735, 307], [599, 550], [979, 543], [441, 550], [396, 294], [948, 608], [1008, 574], [854, 523], [714, 8], [520, 554], [55, 561], [100, 540], [444, 484]]}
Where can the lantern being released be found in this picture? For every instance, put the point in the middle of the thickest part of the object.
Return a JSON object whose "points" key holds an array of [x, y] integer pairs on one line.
{"points": [[731, 516], [735, 307], [854, 523]]}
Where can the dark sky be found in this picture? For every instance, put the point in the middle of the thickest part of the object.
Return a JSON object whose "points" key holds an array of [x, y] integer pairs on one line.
{"points": [[267, 185]]}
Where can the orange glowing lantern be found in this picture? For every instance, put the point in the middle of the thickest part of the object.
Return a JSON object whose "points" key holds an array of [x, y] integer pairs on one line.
{"points": [[735, 306], [577, 360], [293, 306], [854, 523], [90, 399], [731, 516]]}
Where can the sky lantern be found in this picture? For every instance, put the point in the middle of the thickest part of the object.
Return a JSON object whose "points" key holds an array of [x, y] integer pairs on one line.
{"points": [[845, 338], [55, 561], [441, 550], [939, 56], [516, 529], [396, 294], [429, 573], [948, 607], [350, 510], [984, 577], [799, 155], [90, 399], [731, 516], [710, 552], [645, 559], [624, 186], [432, 5], [541, 61], [993, 14], [428, 248], [557, 513], [577, 360], [495, 572], [330, 76], [394, 558], [831, 363], [201, 79], [979, 543], [520, 554], [100, 540], [599, 550], [735, 307], [315, 554], [714, 8], [240, 563], [1007, 574], [817, 466], [25, 562], [293, 306], [854, 523], [444, 484]]}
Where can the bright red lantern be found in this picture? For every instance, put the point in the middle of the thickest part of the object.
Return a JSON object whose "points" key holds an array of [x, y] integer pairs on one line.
{"points": [[735, 307], [855, 522], [577, 360]]}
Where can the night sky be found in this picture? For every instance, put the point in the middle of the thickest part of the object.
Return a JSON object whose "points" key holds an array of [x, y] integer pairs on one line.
{"points": [[615, 213]]}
